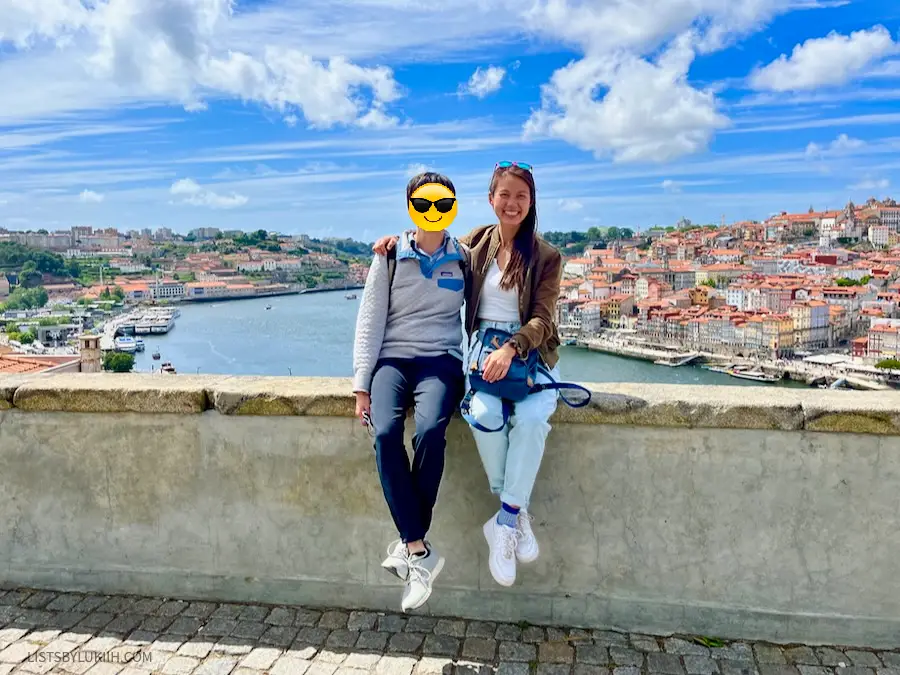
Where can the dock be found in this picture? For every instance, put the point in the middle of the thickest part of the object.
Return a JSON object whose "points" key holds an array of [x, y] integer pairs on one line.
{"points": [[141, 321], [812, 374], [678, 360]]}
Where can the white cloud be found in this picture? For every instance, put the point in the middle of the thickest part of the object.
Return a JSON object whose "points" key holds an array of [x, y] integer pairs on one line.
{"points": [[483, 82], [872, 184], [889, 70], [831, 60], [172, 51], [570, 205], [416, 169], [24, 22], [842, 143], [875, 119], [377, 29], [649, 113], [191, 193], [671, 186], [640, 26], [90, 197], [630, 96]]}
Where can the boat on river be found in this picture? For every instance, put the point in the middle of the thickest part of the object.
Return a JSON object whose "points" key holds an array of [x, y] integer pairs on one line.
{"points": [[126, 344], [757, 375]]}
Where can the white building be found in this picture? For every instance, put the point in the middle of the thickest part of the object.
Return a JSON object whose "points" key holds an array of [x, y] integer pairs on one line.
{"points": [[879, 235]]}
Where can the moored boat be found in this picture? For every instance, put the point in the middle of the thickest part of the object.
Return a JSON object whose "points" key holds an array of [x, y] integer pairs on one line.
{"points": [[755, 375], [126, 344]]}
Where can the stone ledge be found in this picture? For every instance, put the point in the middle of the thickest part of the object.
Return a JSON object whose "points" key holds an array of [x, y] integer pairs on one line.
{"points": [[113, 393], [665, 405], [311, 396]]}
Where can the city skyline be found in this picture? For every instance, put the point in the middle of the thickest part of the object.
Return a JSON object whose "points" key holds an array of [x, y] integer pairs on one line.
{"points": [[186, 115]]}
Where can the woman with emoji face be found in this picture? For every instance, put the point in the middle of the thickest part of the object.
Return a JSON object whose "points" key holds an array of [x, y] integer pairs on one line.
{"points": [[514, 287], [408, 350]]}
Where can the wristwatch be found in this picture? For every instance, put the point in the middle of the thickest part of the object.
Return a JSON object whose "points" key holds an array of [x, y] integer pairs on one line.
{"points": [[515, 345]]}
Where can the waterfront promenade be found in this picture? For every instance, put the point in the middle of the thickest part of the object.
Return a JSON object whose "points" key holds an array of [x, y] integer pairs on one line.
{"points": [[49, 632], [794, 369]]}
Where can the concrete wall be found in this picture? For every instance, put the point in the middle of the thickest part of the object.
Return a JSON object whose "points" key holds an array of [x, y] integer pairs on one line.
{"points": [[758, 513]]}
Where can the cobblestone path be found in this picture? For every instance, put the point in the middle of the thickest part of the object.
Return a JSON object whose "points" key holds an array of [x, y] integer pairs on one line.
{"points": [[43, 632]]}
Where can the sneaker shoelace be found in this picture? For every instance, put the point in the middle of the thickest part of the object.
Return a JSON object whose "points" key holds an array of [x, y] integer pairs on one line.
{"points": [[523, 531], [507, 538], [417, 572], [400, 553]]}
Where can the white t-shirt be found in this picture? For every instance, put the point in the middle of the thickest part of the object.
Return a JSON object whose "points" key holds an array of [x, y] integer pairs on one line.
{"points": [[496, 304]]}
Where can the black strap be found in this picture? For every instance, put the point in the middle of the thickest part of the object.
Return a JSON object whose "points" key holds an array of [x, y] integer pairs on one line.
{"points": [[392, 265], [553, 384]]}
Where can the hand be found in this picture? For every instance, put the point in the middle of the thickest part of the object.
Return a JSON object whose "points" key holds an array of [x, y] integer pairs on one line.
{"points": [[385, 244], [363, 405], [496, 365]]}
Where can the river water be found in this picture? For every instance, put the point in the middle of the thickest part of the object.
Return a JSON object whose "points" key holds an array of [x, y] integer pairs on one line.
{"points": [[312, 334]]}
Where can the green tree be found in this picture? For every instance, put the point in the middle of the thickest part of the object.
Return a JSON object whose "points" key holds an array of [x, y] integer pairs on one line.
{"points": [[844, 281], [891, 364], [14, 256], [25, 298], [594, 233], [118, 362]]}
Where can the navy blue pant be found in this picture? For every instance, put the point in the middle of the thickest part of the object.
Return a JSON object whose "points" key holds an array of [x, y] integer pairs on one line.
{"points": [[434, 386]]}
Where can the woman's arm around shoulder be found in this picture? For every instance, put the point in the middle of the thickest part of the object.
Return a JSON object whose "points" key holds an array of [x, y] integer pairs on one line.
{"points": [[370, 323], [473, 236]]}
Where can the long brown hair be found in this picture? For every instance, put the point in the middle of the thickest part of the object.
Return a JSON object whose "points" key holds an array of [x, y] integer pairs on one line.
{"points": [[525, 240]]}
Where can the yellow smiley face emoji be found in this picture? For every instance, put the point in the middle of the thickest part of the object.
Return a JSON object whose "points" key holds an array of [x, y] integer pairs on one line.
{"points": [[432, 207]]}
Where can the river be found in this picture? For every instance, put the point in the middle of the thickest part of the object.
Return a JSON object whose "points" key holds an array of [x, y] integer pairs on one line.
{"points": [[312, 334]]}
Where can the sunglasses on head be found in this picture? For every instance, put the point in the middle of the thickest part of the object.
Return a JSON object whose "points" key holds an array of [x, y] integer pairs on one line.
{"points": [[442, 205], [521, 165]]}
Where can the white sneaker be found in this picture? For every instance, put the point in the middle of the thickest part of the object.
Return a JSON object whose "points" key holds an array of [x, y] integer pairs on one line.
{"points": [[422, 573], [527, 547], [502, 541], [397, 561]]}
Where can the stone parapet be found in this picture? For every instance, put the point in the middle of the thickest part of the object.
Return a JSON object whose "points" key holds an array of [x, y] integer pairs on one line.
{"points": [[652, 405], [733, 512]]}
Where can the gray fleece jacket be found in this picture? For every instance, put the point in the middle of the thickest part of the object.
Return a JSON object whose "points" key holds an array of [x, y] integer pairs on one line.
{"points": [[419, 316]]}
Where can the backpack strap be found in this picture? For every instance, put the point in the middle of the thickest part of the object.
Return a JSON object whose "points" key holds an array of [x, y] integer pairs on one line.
{"points": [[391, 265]]}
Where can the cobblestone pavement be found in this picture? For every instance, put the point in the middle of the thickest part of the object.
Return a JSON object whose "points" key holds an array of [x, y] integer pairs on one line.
{"points": [[43, 632]]}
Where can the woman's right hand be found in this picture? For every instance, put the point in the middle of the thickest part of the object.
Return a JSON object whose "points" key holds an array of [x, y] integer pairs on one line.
{"points": [[385, 244], [363, 406]]}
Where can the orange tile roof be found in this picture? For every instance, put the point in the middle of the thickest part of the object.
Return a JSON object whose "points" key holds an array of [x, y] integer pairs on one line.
{"points": [[15, 363]]}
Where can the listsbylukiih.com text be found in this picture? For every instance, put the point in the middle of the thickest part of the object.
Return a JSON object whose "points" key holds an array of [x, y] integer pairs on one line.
{"points": [[87, 656]]}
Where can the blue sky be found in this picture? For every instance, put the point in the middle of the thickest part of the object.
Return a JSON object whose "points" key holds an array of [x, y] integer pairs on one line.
{"points": [[309, 116]]}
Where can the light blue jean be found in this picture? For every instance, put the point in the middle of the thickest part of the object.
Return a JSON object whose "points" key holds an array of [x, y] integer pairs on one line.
{"points": [[512, 456]]}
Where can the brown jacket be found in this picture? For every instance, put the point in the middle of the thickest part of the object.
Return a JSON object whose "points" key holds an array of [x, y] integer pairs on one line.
{"points": [[537, 304]]}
